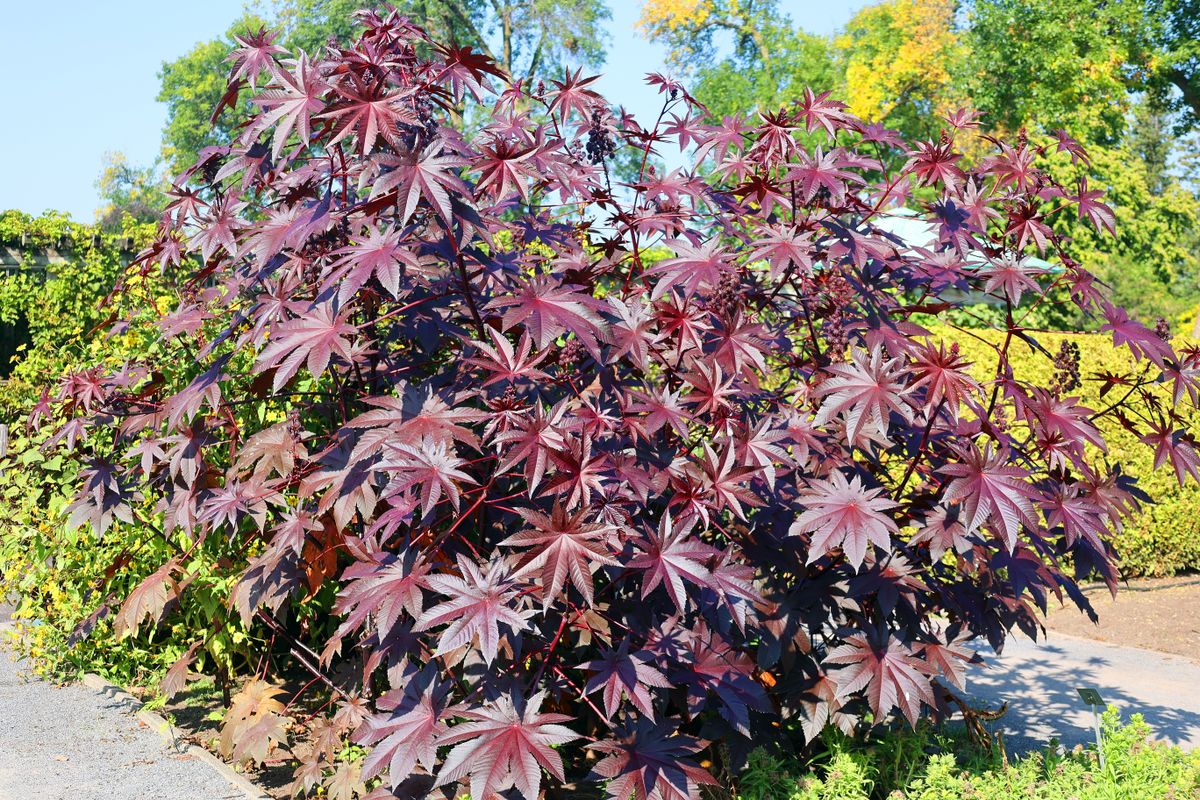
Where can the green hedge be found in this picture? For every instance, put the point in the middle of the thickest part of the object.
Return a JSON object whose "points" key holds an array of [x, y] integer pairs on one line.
{"points": [[1165, 538], [62, 307]]}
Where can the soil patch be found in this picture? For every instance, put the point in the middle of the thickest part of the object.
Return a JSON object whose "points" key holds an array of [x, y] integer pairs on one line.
{"points": [[1160, 614]]}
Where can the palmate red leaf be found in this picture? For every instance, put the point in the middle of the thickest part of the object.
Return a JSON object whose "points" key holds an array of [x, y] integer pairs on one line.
{"points": [[1078, 516], [419, 413], [548, 309], [944, 375], [430, 467], [176, 677], [102, 498], [505, 744], [219, 229], [480, 602], [783, 249], [649, 761], [464, 68], [506, 169], [1011, 275], [367, 110], [383, 590], [822, 172], [1176, 446], [267, 582], [818, 110], [147, 601], [291, 103], [693, 267], [573, 95], [407, 733], [936, 162], [1141, 341], [843, 513], [1061, 419], [992, 490], [886, 671], [727, 479], [311, 340], [503, 362], [669, 556], [561, 546], [624, 673], [948, 657], [634, 333], [531, 441], [944, 530], [428, 174], [255, 53], [273, 450], [864, 391], [379, 254], [715, 671], [1092, 209]]}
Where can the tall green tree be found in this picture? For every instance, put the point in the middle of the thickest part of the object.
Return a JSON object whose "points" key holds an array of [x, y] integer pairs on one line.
{"points": [[1174, 37], [1081, 63], [1055, 63], [894, 63]]}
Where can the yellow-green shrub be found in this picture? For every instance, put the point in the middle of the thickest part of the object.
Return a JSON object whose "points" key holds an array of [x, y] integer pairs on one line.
{"points": [[1165, 538]]}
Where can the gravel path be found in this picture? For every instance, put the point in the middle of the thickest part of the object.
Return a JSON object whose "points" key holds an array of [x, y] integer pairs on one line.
{"points": [[73, 743], [1039, 682]]}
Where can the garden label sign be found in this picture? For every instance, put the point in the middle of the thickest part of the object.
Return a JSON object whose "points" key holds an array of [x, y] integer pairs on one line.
{"points": [[1092, 698]]}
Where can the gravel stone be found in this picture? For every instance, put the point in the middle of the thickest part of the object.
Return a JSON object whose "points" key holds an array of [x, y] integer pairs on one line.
{"points": [[73, 743]]}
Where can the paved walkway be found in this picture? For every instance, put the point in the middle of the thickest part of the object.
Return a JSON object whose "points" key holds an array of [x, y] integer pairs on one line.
{"points": [[73, 743], [1039, 682]]}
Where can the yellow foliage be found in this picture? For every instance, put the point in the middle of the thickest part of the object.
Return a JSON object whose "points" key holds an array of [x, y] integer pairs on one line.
{"points": [[663, 16], [900, 49]]}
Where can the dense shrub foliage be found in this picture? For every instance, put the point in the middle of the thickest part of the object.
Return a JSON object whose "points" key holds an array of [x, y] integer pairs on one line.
{"points": [[55, 573], [59, 306], [554, 480], [929, 765]]}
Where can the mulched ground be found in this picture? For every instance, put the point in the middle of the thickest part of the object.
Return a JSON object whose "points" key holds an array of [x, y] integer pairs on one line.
{"points": [[1160, 614]]}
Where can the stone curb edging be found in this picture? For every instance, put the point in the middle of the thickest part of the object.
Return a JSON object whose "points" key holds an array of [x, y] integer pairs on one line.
{"points": [[165, 730]]}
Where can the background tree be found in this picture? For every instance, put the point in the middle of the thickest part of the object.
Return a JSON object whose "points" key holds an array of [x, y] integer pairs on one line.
{"points": [[1054, 63], [1174, 36], [740, 54], [899, 60], [127, 190]]}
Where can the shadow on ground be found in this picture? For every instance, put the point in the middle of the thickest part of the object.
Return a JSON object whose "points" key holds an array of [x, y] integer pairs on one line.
{"points": [[1039, 682]]}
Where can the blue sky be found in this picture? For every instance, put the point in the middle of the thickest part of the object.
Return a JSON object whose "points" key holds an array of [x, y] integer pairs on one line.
{"points": [[81, 77]]}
